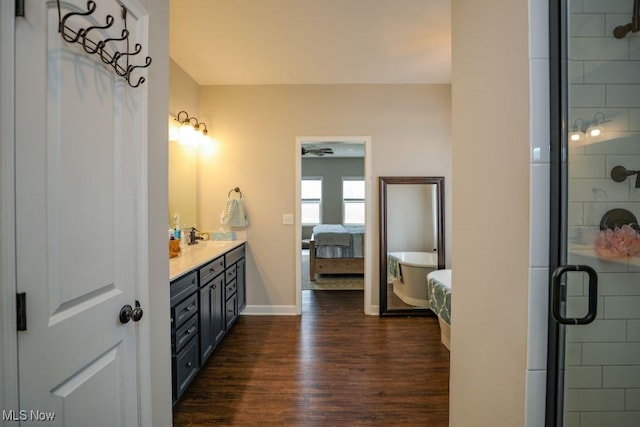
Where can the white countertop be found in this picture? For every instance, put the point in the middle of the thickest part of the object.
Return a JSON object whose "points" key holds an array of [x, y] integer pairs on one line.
{"points": [[192, 257]]}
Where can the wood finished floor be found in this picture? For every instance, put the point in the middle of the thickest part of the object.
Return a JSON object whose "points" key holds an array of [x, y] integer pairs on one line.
{"points": [[332, 366]]}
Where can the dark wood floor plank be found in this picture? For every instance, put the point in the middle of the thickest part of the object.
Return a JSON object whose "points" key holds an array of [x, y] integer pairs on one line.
{"points": [[332, 366]]}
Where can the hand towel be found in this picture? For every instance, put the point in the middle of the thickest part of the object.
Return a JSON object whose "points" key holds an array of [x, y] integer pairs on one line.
{"points": [[234, 214]]}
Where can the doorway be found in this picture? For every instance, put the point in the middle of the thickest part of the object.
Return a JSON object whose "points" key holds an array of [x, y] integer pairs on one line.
{"points": [[342, 209]]}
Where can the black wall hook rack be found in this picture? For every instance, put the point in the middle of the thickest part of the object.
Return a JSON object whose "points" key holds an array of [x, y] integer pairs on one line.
{"points": [[118, 60]]}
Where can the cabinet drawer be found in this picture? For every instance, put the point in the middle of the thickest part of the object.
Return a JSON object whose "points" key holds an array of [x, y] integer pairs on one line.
{"points": [[182, 287], [231, 311], [186, 366], [185, 310], [230, 274], [186, 332], [211, 270], [234, 255], [230, 289]]}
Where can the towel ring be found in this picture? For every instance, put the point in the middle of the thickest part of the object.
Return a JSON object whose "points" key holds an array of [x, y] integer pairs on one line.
{"points": [[237, 190]]}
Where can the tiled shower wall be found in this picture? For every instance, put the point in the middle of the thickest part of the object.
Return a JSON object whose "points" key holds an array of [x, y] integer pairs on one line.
{"points": [[539, 212], [603, 359]]}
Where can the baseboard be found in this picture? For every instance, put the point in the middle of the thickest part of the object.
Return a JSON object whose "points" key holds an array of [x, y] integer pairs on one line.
{"points": [[269, 310]]}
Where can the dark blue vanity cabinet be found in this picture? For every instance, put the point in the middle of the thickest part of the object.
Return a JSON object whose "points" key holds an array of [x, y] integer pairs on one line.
{"points": [[205, 303], [235, 284], [211, 307], [184, 332]]}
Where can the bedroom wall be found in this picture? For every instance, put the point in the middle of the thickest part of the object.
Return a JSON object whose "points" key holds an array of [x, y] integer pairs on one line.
{"points": [[256, 129], [331, 170]]}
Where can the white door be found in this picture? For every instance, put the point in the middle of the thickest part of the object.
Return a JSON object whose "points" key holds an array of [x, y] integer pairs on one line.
{"points": [[80, 144]]}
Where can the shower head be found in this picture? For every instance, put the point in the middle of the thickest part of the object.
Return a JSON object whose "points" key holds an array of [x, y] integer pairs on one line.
{"points": [[622, 30], [633, 27], [620, 173]]}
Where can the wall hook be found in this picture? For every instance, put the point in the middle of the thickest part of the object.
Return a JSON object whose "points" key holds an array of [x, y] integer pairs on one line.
{"points": [[113, 55]]}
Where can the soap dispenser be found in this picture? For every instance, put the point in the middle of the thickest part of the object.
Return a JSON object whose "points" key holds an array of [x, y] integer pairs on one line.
{"points": [[184, 239]]}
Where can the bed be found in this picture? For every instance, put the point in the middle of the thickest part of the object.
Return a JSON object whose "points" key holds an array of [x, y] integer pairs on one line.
{"points": [[336, 249]]}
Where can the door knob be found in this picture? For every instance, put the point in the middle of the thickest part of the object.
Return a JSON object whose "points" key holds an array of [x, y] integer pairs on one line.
{"points": [[137, 313], [125, 313], [128, 313]]}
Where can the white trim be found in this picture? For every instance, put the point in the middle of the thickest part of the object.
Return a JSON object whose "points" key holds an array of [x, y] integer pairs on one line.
{"points": [[368, 212], [9, 392], [269, 310], [298, 227], [143, 337]]}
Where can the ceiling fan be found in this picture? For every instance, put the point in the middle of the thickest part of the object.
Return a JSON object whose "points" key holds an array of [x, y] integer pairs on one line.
{"points": [[316, 151]]}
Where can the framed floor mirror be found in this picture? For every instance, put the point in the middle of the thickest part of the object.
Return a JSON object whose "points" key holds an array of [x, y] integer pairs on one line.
{"points": [[411, 242]]}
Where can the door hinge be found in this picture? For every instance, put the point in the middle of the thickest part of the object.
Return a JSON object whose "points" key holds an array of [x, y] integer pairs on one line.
{"points": [[21, 311], [19, 8]]}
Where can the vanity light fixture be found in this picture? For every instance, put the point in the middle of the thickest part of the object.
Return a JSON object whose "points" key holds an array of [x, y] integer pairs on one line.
{"points": [[188, 131], [591, 130]]}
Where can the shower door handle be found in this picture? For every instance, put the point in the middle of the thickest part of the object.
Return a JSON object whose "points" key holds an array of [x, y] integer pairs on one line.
{"points": [[556, 295]]}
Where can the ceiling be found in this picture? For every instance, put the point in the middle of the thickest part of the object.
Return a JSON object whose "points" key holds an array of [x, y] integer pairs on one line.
{"points": [[256, 42]]}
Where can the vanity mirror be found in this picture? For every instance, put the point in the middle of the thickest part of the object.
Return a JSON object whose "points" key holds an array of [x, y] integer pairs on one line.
{"points": [[183, 162], [411, 242]]}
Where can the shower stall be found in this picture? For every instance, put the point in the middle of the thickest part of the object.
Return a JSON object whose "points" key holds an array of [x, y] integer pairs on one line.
{"points": [[594, 320]]}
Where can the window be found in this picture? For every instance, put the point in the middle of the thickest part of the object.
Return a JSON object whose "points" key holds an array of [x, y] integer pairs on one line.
{"points": [[311, 195], [353, 201]]}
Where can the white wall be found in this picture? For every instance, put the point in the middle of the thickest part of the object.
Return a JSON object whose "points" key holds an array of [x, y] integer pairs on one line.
{"points": [[491, 144], [256, 129]]}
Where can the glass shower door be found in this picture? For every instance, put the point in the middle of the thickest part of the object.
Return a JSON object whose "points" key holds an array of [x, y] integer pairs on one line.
{"points": [[594, 324]]}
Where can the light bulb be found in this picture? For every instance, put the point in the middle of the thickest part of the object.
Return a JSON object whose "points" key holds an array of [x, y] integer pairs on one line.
{"points": [[187, 135], [594, 131], [208, 146], [198, 139], [174, 129], [575, 136]]}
